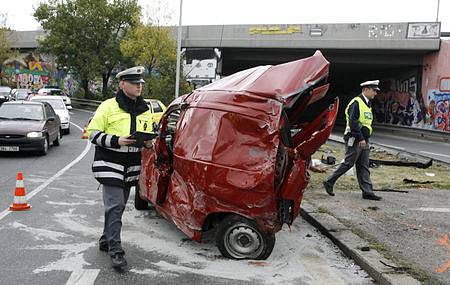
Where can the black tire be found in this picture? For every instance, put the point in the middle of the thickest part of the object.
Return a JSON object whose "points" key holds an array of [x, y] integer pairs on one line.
{"points": [[67, 131], [44, 149], [139, 203], [240, 238], [56, 142]]}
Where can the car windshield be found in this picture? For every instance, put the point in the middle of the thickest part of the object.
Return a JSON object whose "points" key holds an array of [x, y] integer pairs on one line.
{"points": [[21, 95], [56, 104], [4, 92], [21, 112], [55, 92]]}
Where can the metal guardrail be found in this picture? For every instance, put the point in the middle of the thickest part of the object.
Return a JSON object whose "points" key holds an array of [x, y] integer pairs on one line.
{"points": [[394, 129], [85, 103], [415, 132]]}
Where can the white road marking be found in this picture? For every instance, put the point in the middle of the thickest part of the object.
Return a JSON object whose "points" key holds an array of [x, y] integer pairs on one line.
{"points": [[432, 153], [83, 277], [439, 210], [53, 178], [391, 146]]}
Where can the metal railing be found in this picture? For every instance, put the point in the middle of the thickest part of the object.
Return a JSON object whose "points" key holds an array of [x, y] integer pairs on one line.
{"points": [[395, 129], [85, 103], [431, 134]]}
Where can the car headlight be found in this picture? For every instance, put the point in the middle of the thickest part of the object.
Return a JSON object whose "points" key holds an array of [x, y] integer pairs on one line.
{"points": [[34, 135]]}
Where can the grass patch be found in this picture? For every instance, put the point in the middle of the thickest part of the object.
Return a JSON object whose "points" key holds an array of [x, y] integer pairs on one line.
{"points": [[383, 176]]}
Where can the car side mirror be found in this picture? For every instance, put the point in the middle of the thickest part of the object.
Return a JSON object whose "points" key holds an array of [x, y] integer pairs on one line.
{"points": [[50, 119]]}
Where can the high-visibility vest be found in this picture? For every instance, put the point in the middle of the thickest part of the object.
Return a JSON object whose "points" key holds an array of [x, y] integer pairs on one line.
{"points": [[116, 166], [111, 119], [365, 115]]}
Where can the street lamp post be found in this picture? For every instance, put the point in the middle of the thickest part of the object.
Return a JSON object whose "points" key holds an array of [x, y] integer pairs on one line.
{"points": [[437, 12], [177, 79]]}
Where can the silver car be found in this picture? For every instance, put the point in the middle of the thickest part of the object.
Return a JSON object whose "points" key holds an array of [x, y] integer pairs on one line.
{"points": [[56, 92], [60, 109]]}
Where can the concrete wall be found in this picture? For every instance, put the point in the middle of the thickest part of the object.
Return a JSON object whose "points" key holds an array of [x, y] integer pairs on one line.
{"points": [[30, 70], [436, 87]]}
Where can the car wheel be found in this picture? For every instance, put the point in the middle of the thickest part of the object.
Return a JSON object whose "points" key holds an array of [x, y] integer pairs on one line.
{"points": [[240, 238], [56, 141], [68, 131], [139, 203], [44, 149]]}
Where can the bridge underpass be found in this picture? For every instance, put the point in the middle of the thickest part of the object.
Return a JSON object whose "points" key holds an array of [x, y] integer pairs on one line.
{"points": [[357, 52]]}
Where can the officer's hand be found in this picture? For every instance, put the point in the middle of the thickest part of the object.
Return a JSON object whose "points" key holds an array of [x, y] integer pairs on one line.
{"points": [[362, 144], [126, 141]]}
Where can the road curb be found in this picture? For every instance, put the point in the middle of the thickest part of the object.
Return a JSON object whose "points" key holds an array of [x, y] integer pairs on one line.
{"points": [[351, 244]]}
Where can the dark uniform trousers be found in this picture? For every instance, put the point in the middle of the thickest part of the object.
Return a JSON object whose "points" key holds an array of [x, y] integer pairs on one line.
{"points": [[114, 199], [354, 155]]}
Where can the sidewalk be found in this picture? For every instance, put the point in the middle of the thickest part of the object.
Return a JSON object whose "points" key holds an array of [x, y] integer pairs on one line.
{"points": [[402, 239]]}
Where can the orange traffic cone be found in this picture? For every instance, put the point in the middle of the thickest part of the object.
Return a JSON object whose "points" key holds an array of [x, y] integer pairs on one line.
{"points": [[20, 198], [85, 135]]}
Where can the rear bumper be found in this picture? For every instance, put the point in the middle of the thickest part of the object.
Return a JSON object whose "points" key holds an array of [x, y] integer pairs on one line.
{"points": [[24, 144], [65, 125]]}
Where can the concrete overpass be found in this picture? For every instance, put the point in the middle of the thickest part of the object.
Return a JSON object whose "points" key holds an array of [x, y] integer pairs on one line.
{"points": [[375, 46]]}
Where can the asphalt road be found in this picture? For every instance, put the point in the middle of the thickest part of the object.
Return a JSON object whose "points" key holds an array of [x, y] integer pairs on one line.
{"points": [[56, 241]]}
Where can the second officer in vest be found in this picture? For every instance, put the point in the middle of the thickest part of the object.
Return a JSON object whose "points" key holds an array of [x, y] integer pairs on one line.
{"points": [[117, 160], [359, 118]]}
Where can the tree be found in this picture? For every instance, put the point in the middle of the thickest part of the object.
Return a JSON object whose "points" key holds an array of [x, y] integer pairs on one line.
{"points": [[154, 47], [85, 35], [5, 46]]}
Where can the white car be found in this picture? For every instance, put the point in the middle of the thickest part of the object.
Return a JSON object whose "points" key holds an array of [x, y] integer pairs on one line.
{"points": [[60, 109], [56, 92]]}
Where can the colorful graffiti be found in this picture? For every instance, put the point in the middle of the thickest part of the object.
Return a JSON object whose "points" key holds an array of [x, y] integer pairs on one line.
{"points": [[438, 110], [399, 105], [31, 71]]}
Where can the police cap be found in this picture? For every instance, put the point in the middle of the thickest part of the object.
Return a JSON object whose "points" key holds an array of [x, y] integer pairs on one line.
{"points": [[133, 74], [371, 84]]}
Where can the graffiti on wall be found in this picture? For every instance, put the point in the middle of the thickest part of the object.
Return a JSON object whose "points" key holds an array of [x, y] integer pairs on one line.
{"points": [[31, 71], [398, 105], [438, 110]]}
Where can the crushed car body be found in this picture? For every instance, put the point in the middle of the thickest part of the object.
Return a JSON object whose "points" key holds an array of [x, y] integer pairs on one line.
{"points": [[234, 154]]}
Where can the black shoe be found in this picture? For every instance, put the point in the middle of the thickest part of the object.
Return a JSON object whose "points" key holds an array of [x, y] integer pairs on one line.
{"points": [[371, 197], [328, 188], [103, 246], [118, 261]]}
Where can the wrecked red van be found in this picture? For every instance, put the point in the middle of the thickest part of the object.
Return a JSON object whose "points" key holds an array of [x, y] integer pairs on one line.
{"points": [[234, 154]]}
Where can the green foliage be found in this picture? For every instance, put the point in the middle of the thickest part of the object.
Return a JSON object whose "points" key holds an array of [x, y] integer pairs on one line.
{"points": [[5, 46], [149, 45], [85, 35], [161, 84], [154, 47]]}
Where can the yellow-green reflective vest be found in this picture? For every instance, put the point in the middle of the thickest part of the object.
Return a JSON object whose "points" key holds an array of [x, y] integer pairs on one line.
{"points": [[111, 119], [365, 115]]}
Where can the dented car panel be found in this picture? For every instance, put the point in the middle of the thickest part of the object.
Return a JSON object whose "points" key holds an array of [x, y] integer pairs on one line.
{"points": [[240, 146]]}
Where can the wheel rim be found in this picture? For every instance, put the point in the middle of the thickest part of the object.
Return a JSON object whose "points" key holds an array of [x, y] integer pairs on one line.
{"points": [[45, 145], [243, 241]]}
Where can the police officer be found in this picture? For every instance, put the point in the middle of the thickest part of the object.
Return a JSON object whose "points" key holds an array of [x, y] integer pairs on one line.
{"points": [[359, 118], [117, 163]]}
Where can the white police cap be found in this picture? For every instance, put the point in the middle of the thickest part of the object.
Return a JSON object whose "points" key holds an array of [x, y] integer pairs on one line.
{"points": [[372, 84], [133, 74]]}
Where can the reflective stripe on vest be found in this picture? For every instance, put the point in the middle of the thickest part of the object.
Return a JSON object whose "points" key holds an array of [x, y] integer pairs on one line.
{"points": [[365, 115]]}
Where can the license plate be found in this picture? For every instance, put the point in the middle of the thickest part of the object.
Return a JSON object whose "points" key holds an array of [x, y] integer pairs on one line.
{"points": [[9, 148]]}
